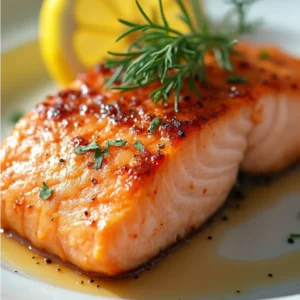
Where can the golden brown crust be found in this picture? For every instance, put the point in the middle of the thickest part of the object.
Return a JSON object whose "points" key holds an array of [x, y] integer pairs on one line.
{"points": [[41, 147], [133, 111]]}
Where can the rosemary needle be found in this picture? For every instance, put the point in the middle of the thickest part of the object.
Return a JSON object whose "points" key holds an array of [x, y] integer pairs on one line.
{"points": [[162, 53]]}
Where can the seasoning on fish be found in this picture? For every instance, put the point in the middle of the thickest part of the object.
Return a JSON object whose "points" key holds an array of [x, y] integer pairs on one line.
{"points": [[144, 200]]}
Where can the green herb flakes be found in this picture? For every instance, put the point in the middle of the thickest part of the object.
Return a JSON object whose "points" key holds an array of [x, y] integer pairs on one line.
{"points": [[138, 145], [236, 79], [83, 149], [295, 235], [117, 143], [264, 54], [99, 154], [154, 124], [16, 116], [45, 191]]}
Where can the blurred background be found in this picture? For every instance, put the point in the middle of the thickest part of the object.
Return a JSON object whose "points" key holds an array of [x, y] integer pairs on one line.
{"points": [[19, 22]]}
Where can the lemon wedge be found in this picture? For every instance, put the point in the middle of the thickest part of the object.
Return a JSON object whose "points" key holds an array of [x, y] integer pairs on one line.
{"points": [[76, 34]]}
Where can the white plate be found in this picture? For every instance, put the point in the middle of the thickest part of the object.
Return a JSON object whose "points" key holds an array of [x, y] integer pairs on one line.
{"points": [[25, 82]]}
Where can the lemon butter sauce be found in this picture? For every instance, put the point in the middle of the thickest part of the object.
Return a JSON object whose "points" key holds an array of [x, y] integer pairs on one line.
{"points": [[194, 269]]}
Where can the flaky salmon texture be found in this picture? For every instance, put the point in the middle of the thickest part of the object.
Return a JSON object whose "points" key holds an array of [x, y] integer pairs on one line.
{"points": [[113, 219]]}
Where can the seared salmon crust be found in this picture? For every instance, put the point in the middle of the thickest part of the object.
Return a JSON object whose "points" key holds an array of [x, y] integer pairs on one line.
{"points": [[113, 219]]}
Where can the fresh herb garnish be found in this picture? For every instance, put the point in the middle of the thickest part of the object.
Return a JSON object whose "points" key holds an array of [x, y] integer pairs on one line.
{"points": [[236, 79], [138, 145], [83, 149], [99, 154], [153, 125], [295, 235], [164, 54], [264, 54], [45, 191], [117, 143], [16, 116]]}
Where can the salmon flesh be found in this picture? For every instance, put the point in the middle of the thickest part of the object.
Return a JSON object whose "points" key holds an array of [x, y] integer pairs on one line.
{"points": [[114, 218]]}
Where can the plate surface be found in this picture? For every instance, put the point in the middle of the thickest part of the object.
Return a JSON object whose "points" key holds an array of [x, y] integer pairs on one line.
{"points": [[25, 82]]}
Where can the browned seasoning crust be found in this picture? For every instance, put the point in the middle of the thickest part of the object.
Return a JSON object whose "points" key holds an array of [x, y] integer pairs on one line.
{"points": [[134, 111], [41, 148]]}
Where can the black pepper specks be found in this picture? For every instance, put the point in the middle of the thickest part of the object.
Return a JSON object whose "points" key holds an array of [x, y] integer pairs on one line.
{"points": [[48, 261], [86, 213], [94, 181], [181, 134], [294, 86], [58, 269], [270, 275], [136, 277], [209, 237], [91, 281], [200, 104], [291, 241], [225, 218], [98, 286], [81, 282], [161, 146], [61, 160]]}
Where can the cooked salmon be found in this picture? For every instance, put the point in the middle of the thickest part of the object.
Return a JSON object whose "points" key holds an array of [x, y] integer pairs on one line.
{"points": [[155, 185]]}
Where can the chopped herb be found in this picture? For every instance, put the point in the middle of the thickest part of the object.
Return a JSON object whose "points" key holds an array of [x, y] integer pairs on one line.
{"points": [[83, 149], [16, 116], [138, 145], [99, 155], [295, 235], [117, 143], [98, 158], [154, 123], [45, 191], [264, 54], [236, 79]]}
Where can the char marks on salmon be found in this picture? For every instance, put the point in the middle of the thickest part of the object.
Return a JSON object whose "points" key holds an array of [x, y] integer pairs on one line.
{"points": [[111, 219]]}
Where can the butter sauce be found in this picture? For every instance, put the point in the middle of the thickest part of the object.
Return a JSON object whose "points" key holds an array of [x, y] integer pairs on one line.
{"points": [[196, 269]]}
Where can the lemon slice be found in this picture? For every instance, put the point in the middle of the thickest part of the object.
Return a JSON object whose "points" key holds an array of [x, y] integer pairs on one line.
{"points": [[76, 34]]}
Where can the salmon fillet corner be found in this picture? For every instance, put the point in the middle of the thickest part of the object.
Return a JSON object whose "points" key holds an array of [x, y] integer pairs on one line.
{"points": [[113, 219]]}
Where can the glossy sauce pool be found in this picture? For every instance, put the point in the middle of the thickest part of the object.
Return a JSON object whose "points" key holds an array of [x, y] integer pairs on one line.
{"points": [[196, 269]]}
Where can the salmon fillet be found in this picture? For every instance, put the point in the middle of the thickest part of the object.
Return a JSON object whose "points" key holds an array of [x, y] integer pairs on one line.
{"points": [[113, 219]]}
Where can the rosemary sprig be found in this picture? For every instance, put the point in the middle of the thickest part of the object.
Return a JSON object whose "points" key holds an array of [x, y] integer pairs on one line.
{"points": [[164, 54]]}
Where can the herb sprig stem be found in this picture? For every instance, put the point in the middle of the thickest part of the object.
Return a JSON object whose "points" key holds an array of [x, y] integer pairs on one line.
{"points": [[164, 54]]}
